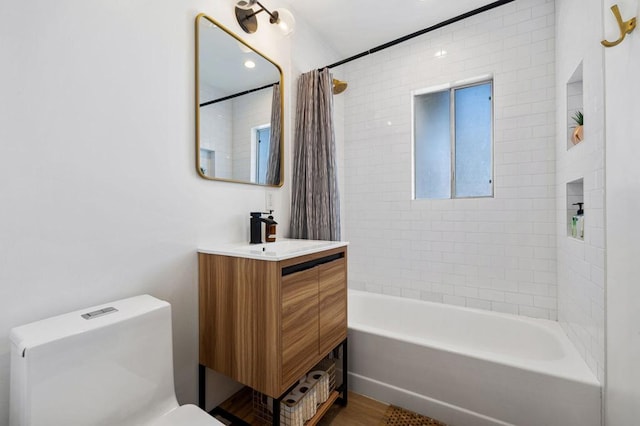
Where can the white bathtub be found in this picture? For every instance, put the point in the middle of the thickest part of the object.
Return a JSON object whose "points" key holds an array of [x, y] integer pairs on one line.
{"points": [[466, 366]]}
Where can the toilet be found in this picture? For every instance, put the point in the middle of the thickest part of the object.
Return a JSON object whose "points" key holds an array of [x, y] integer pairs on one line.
{"points": [[107, 365]]}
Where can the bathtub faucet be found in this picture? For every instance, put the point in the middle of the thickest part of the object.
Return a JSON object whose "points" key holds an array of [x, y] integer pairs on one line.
{"points": [[256, 222]]}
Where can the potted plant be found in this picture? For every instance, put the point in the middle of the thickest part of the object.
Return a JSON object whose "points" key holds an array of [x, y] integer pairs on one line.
{"points": [[577, 135]]}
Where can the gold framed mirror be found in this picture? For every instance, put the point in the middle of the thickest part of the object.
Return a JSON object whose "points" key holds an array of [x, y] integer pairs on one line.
{"points": [[239, 109]]}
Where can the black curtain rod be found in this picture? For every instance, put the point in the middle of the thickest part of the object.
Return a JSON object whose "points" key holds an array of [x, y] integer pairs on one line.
{"points": [[235, 95], [421, 32]]}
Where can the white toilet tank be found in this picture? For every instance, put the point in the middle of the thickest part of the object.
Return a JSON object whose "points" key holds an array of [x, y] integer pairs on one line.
{"points": [[111, 367]]}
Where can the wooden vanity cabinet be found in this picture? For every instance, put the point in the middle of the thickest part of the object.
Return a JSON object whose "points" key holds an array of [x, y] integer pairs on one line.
{"points": [[266, 323], [300, 323], [332, 304]]}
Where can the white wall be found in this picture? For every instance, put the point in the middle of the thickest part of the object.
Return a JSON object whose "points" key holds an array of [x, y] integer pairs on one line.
{"points": [[99, 192], [581, 276], [622, 68], [497, 253]]}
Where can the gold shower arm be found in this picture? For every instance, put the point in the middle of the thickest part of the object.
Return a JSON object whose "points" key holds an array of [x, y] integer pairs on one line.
{"points": [[625, 27]]}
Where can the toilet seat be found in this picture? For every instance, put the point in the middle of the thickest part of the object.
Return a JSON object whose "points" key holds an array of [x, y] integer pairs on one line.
{"points": [[185, 415]]}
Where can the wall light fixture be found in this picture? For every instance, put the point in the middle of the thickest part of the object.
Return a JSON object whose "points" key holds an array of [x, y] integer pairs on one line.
{"points": [[247, 20]]}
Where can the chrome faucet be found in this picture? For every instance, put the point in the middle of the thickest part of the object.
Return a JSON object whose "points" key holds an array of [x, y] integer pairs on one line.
{"points": [[256, 222]]}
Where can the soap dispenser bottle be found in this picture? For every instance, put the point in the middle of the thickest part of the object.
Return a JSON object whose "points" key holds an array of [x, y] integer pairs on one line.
{"points": [[577, 222], [271, 229]]}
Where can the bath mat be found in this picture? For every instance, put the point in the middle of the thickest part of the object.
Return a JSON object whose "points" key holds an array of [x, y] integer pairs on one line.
{"points": [[396, 416]]}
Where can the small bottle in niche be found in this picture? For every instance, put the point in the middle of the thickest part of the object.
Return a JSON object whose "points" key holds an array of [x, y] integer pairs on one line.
{"points": [[577, 222], [271, 229], [580, 227]]}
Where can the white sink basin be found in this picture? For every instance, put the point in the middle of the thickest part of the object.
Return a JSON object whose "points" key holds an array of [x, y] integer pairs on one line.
{"points": [[280, 250]]}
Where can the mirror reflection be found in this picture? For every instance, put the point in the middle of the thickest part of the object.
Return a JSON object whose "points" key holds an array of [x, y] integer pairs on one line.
{"points": [[238, 109]]}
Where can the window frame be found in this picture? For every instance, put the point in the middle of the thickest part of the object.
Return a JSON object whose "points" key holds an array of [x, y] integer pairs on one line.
{"points": [[255, 130], [259, 130], [451, 88]]}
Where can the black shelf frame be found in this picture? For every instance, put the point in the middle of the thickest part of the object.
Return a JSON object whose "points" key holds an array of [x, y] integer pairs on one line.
{"points": [[343, 389]]}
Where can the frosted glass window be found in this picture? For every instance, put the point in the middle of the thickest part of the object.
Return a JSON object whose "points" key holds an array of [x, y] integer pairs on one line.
{"points": [[432, 145], [473, 155], [453, 142]]}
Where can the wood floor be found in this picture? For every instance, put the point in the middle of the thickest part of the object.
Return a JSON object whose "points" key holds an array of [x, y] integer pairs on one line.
{"points": [[360, 411]]}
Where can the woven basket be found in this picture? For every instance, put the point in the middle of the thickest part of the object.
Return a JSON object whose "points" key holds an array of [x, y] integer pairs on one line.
{"points": [[297, 412]]}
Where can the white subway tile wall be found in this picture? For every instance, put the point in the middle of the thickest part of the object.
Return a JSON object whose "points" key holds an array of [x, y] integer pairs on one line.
{"points": [[249, 111], [226, 128], [581, 263], [492, 253], [216, 130]]}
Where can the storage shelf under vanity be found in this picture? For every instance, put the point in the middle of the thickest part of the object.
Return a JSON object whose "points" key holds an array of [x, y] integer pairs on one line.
{"points": [[240, 407]]}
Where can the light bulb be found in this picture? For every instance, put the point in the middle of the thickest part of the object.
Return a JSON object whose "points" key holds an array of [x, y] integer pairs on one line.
{"points": [[249, 63], [286, 21]]}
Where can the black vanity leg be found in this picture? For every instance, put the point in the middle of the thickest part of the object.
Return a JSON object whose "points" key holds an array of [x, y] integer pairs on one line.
{"points": [[276, 411], [202, 371], [345, 374]]}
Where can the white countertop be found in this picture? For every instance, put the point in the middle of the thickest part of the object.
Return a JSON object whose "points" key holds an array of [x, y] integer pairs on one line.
{"points": [[282, 249]]}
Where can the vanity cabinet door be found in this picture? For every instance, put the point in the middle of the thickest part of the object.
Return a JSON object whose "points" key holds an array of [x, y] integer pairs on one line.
{"points": [[299, 323], [332, 297]]}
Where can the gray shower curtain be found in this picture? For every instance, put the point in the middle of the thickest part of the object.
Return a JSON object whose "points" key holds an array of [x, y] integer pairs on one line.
{"points": [[273, 168], [315, 203]]}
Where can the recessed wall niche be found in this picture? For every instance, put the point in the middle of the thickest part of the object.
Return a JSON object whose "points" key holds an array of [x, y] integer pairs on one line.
{"points": [[575, 107], [207, 161], [575, 203]]}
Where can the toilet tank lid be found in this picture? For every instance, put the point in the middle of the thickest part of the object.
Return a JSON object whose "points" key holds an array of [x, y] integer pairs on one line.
{"points": [[72, 323]]}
